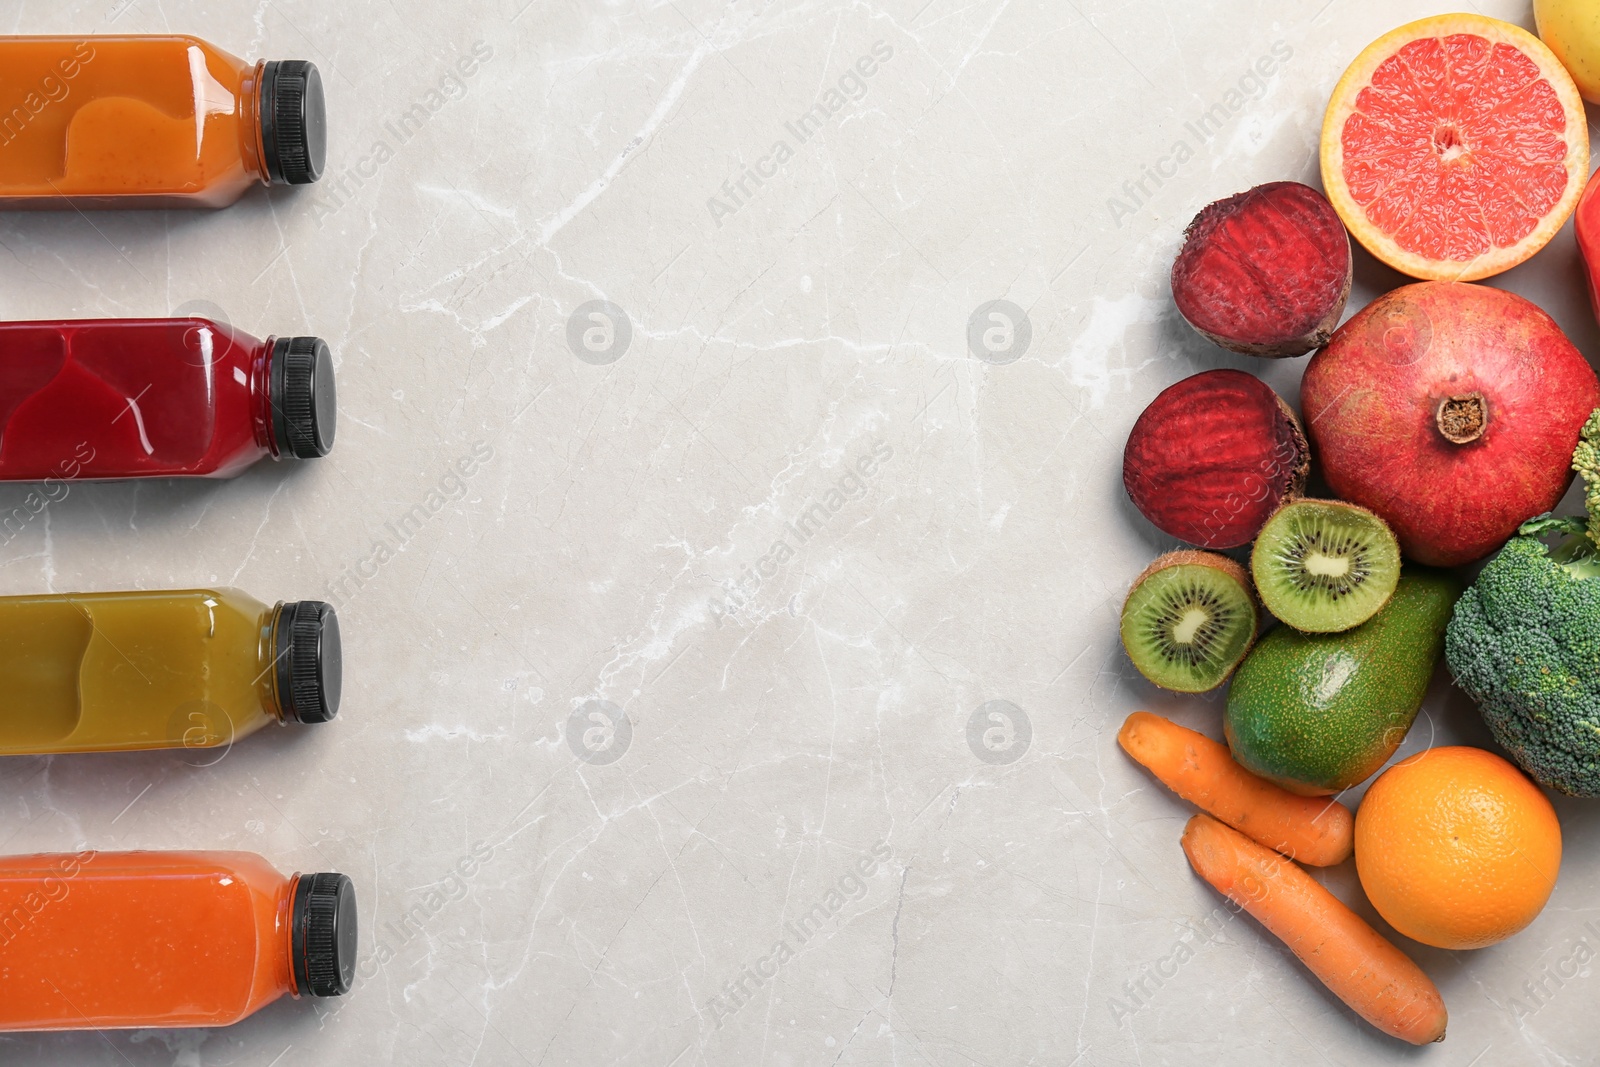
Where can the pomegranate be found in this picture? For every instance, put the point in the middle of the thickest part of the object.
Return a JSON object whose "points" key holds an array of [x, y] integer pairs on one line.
{"points": [[1266, 272], [1213, 456], [1451, 410]]}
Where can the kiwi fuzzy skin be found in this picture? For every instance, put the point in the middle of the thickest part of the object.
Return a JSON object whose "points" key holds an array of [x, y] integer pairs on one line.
{"points": [[1185, 556], [1191, 556]]}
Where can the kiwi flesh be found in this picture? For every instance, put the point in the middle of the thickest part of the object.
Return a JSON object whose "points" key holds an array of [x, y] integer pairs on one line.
{"points": [[1323, 566], [1189, 620]]}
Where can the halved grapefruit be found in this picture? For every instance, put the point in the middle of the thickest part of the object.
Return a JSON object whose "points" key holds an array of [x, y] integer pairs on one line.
{"points": [[1455, 147]]}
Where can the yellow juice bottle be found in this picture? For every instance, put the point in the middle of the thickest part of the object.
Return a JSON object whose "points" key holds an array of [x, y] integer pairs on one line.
{"points": [[192, 668]]}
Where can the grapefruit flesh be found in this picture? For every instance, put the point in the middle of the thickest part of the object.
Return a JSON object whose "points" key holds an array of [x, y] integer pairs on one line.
{"points": [[1455, 147]]}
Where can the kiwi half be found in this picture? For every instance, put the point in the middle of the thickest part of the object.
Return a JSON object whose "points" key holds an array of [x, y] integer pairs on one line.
{"points": [[1189, 620], [1323, 566]]}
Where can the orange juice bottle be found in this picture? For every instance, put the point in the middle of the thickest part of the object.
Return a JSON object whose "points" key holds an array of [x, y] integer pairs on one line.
{"points": [[151, 121], [187, 668], [107, 940]]}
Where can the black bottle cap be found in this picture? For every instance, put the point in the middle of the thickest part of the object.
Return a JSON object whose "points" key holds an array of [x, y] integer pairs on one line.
{"points": [[305, 408], [324, 935], [294, 121], [310, 661]]}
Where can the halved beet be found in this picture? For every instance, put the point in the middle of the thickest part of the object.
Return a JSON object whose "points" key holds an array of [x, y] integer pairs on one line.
{"points": [[1213, 457], [1266, 272]]}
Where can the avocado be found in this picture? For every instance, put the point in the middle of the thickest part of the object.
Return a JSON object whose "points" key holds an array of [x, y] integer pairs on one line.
{"points": [[1317, 713]]}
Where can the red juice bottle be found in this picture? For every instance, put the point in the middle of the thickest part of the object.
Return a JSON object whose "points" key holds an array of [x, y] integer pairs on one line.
{"points": [[129, 398], [109, 940]]}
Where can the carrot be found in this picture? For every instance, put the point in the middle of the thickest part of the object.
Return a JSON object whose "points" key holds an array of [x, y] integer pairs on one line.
{"points": [[1360, 967], [1313, 830]]}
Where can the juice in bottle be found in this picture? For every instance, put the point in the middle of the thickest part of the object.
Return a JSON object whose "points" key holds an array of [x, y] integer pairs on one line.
{"points": [[193, 668], [151, 121], [165, 939], [124, 398]]}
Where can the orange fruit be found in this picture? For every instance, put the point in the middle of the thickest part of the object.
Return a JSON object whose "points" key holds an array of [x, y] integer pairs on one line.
{"points": [[1456, 848], [1455, 147]]}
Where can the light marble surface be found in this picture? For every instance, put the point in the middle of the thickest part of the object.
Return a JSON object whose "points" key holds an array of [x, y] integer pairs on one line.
{"points": [[792, 712]]}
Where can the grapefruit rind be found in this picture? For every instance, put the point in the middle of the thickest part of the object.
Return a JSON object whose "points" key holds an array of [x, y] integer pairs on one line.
{"points": [[1343, 105]]}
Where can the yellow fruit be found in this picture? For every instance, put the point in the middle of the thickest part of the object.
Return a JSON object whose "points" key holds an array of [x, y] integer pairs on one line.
{"points": [[1455, 147], [1456, 848], [1572, 30]]}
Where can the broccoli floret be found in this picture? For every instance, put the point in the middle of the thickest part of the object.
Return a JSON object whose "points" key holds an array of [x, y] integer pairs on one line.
{"points": [[1524, 641]]}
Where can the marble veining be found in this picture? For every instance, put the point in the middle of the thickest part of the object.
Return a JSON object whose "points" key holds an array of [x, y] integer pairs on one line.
{"points": [[752, 699]]}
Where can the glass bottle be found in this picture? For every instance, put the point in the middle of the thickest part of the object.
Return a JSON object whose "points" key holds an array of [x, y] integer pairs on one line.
{"points": [[109, 940], [151, 121], [125, 398], [192, 668]]}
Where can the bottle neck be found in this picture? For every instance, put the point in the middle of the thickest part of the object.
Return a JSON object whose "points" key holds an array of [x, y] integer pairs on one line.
{"points": [[272, 896], [284, 962], [261, 399], [272, 699], [251, 149], [274, 909]]}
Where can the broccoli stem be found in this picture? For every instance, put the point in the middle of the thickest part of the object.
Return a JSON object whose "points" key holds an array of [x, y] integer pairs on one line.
{"points": [[1577, 553], [1576, 550]]}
